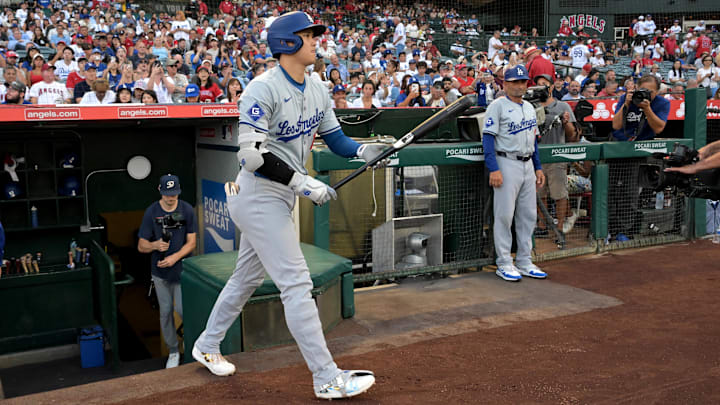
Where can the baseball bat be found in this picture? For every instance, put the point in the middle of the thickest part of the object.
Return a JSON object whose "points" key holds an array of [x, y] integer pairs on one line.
{"points": [[451, 111], [23, 260]]}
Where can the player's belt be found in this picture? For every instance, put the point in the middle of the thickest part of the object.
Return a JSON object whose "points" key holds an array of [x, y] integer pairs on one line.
{"points": [[514, 156]]}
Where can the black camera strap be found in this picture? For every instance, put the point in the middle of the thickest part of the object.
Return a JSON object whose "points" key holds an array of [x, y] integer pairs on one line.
{"points": [[626, 111]]}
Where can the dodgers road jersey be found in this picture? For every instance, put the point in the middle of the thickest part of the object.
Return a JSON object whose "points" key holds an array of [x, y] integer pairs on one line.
{"points": [[274, 105], [513, 125]]}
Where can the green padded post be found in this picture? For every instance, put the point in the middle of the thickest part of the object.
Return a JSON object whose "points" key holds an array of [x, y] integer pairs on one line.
{"points": [[599, 214], [348, 295], [321, 220], [696, 129]]}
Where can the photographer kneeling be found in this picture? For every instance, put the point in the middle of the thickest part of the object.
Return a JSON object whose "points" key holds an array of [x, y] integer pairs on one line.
{"points": [[168, 232], [640, 115]]}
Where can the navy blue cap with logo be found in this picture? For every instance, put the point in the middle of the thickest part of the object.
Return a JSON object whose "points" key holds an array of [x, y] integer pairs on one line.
{"points": [[169, 185], [516, 73]]}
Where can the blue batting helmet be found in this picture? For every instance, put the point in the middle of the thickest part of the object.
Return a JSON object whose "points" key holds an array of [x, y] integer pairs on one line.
{"points": [[281, 34]]}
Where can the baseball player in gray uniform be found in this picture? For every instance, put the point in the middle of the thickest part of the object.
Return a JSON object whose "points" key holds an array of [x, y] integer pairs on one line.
{"points": [[511, 156], [280, 114]]}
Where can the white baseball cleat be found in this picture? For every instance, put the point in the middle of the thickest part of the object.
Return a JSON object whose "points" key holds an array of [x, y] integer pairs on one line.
{"points": [[173, 360], [347, 384], [214, 362]]}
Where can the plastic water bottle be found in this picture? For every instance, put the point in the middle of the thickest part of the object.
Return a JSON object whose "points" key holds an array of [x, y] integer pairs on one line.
{"points": [[668, 198], [34, 216], [659, 200], [716, 236]]}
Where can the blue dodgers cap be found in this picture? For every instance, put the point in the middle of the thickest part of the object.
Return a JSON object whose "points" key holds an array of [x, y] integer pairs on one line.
{"points": [[516, 73], [192, 90], [338, 88], [169, 185], [90, 66]]}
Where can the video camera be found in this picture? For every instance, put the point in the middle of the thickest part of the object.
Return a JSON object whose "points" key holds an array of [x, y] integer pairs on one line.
{"points": [[171, 221], [705, 184], [537, 95]]}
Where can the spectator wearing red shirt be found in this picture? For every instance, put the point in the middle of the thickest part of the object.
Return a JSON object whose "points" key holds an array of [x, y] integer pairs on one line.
{"points": [[704, 44], [465, 82], [670, 45], [226, 7], [581, 33], [537, 65], [565, 30], [202, 8], [209, 90], [77, 76]]}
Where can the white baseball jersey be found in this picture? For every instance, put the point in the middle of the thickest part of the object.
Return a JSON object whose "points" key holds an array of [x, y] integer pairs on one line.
{"points": [[579, 55], [273, 104], [49, 93], [514, 126], [62, 70]]}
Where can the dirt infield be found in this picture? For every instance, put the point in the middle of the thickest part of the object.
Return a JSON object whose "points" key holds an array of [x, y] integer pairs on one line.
{"points": [[656, 344], [659, 347]]}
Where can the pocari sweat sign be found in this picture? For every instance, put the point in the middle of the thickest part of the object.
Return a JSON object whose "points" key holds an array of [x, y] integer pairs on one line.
{"points": [[219, 230]]}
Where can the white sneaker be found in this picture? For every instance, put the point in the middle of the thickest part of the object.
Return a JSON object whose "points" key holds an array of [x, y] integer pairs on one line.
{"points": [[570, 222], [214, 362], [508, 273], [173, 360], [347, 384], [531, 271]]}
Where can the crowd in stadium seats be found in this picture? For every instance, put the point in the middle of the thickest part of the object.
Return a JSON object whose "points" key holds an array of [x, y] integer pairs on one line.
{"points": [[97, 52]]}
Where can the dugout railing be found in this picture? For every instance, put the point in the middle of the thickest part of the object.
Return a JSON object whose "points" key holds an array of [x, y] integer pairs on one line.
{"points": [[448, 181], [448, 177]]}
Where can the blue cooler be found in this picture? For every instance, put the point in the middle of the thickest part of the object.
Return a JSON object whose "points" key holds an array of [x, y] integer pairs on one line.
{"points": [[92, 347]]}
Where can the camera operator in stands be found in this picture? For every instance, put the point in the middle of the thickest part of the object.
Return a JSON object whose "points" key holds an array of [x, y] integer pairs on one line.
{"points": [[640, 115]]}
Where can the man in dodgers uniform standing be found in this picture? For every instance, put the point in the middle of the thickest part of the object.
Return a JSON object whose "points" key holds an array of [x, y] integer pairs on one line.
{"points": [[511, 156], [280, 114]]}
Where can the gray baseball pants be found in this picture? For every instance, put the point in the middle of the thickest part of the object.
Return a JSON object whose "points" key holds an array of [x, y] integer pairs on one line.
{"points": [[167, 294], [515, 198], [262, 210]]}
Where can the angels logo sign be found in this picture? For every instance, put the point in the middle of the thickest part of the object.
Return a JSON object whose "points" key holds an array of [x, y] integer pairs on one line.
{"points": [[585, 21]]}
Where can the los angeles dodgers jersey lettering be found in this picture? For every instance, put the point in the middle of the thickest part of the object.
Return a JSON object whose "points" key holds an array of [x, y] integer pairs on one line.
{"points": [[514, 126], [291, 118]]}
